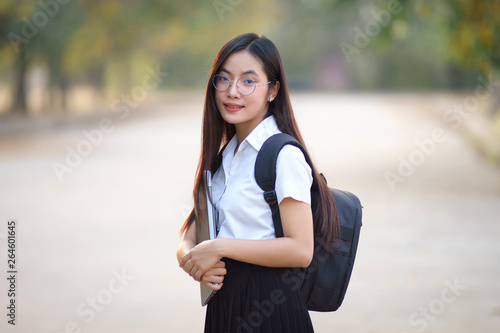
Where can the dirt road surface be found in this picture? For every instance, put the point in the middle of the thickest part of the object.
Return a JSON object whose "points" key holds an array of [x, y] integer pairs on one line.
{"points": [[98, 205]]}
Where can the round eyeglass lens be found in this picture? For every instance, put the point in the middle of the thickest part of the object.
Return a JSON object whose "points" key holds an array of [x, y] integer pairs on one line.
{"points": [[221, 82], [246, 86]]}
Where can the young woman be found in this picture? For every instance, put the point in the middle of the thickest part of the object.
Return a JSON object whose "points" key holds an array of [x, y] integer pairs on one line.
{"points": [[246, 102]]}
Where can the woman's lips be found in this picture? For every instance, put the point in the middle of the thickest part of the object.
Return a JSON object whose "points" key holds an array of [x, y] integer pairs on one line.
{"points": [[231, 107]]}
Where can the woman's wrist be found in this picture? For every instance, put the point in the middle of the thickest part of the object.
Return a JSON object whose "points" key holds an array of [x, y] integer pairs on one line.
{"points": [[183, 249], [220, 247]]}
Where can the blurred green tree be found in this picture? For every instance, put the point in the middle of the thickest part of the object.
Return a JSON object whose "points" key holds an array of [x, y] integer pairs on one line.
{"points": [[53, 43], [107, 44], [474, 30], [15, 35]]}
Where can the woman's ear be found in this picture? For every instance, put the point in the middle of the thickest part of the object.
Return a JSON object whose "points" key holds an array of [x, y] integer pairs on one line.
{"points": [[273, 92]]}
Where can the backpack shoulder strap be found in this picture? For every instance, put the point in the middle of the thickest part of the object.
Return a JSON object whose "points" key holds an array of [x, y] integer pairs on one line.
{"points": [[265, 172]]}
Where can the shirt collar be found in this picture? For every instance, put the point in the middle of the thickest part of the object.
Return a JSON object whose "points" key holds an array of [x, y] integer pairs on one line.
{"points": [[262, 132], [256, 138], [231, 146]]}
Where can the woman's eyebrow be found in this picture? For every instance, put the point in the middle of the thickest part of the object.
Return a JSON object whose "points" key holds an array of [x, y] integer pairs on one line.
{"points": [[250, 71]]}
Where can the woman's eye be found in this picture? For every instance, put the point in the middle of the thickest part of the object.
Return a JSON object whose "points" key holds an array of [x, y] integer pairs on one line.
{"points": [[248, 82], [223, 78]]}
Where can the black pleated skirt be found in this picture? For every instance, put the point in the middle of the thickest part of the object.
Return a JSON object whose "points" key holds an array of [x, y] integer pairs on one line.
{"points": [[256, 299]]}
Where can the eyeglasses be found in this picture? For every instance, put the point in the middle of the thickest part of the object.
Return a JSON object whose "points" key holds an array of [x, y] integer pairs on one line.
{"points": [[246, 86]]}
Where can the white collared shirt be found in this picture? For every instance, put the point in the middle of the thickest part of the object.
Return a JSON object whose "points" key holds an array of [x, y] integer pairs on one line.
{"points": [[243, 212]]}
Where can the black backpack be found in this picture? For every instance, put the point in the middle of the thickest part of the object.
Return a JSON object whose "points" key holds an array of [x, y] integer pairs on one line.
{"points": [[324, 283]]}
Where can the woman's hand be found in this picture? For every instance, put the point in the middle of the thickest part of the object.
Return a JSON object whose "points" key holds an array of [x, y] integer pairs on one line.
{"points": [[200, 259], [214, 276]]}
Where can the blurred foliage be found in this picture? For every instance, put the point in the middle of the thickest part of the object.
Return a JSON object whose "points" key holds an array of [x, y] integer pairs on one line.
{"points": [[475, 33], [108, 44]]}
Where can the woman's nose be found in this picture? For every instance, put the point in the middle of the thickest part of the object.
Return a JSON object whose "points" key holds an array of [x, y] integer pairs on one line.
{"points": [[233, 90]]}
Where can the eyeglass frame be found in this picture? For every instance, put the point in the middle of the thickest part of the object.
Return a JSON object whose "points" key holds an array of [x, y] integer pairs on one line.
{"points": [[237, 87]]}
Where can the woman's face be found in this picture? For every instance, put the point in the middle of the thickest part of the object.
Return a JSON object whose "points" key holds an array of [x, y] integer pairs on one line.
{"points": [[244, 111]]}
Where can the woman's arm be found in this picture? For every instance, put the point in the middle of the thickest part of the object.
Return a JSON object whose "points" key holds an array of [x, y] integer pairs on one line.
{"points": [[214, 276], [188, 242], [294, 250]]}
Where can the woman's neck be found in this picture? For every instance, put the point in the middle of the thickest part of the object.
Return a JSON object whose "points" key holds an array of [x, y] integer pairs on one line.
{"points": [[244, 129]]}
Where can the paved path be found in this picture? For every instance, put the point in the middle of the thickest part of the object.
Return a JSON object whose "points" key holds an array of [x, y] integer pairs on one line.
{"points": [[96, 251]]}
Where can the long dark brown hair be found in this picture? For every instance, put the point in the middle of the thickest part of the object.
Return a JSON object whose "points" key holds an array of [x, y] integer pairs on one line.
{"points": [[217, 132]]}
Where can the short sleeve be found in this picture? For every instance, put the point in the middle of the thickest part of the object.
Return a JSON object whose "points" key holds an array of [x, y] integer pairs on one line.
{"points": [[293, 175]]}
